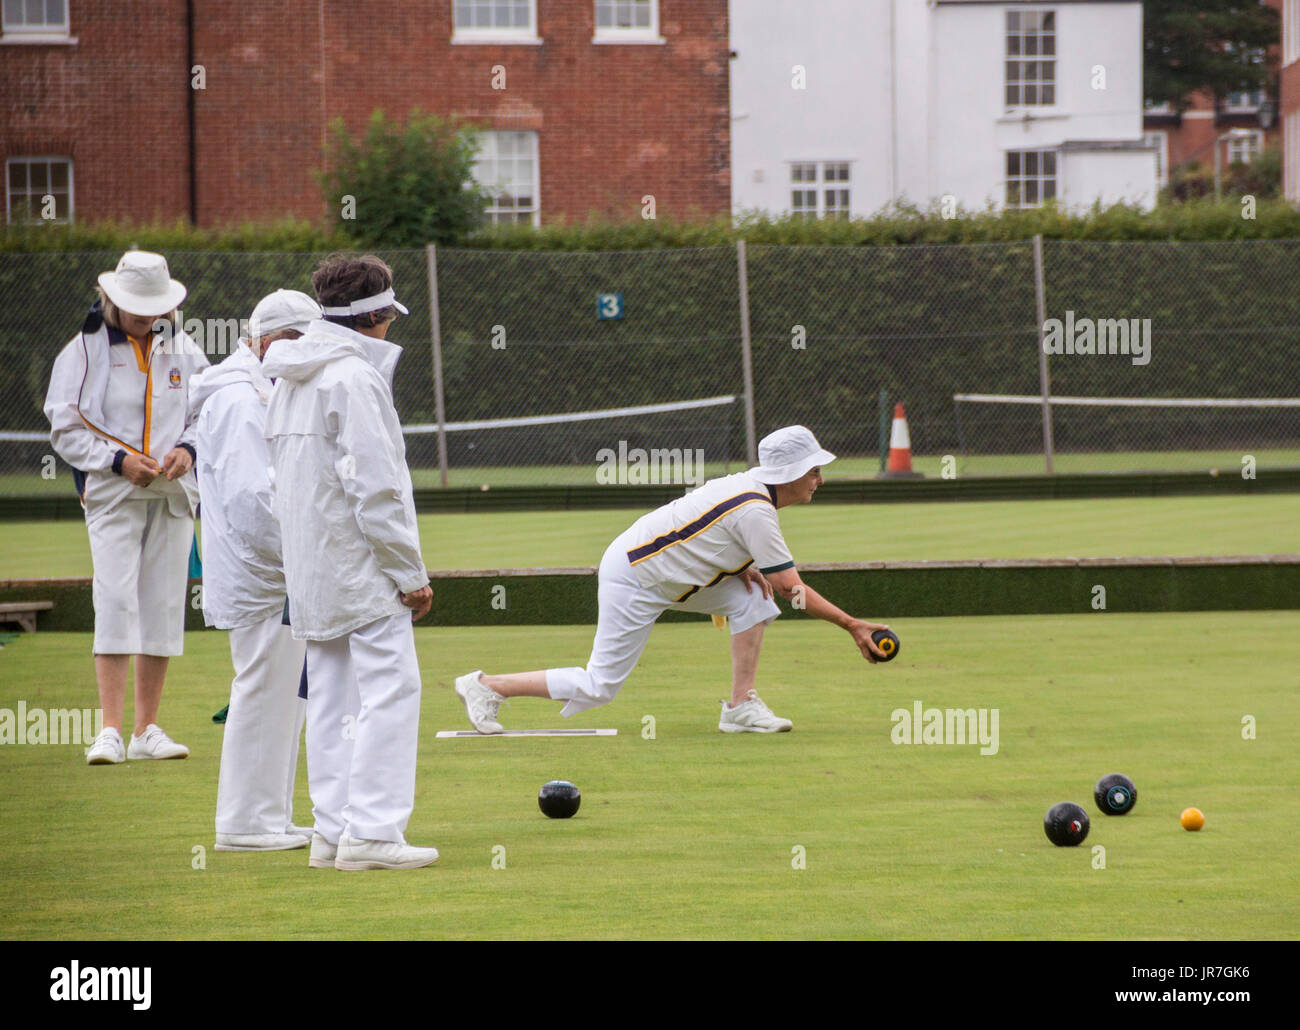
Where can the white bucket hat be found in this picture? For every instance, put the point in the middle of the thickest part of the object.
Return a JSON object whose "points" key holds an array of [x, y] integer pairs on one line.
{"points": [[787, 454], [283, 309], [142, 285]]}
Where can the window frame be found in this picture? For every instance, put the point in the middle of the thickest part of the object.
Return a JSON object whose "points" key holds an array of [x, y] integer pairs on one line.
{"points": [[1039, 178], [496, 36], [1160, 138], [49, 160], [491, 216], [1021, 59], [632, 35], [23, 32], [820, 189], [1256, 139]]}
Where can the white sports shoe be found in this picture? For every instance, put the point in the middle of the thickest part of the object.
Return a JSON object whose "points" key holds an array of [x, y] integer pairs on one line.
{"points": [[381, 854], [154, 743], [752, 716], [107, 748], [481, 703], [261, 841], [323, 853]]}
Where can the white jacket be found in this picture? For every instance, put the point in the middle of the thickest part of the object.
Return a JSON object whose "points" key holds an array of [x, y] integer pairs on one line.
{"points": [[342, 489], [243, 575], [89, 425]]}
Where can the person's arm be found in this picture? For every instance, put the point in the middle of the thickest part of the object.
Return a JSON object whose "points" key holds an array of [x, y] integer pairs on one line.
{"points": [[72, 440], [376, 482], [231, 426], [791, 586], [759, 530]]}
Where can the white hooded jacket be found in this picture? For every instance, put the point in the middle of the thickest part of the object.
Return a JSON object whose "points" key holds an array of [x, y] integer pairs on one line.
{"points": [[342, 490], [243, 573]]}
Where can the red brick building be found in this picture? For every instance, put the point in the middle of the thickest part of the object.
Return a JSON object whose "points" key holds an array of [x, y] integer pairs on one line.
{"points": [[585, 105], [1240, 126]]}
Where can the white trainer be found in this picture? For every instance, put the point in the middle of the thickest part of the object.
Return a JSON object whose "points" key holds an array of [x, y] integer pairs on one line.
{"points": [[154, 743], [752, 716], [381, 854], [261, 841], [323, 853], [107, 748], [481, 702]]}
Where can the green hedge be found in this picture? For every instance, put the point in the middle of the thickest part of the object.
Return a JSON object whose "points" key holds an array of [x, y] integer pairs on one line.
{"points": [[1202, 219]]}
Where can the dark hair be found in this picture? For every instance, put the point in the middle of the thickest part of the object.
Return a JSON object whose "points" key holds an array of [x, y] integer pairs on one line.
{"points": [[342, 278]]}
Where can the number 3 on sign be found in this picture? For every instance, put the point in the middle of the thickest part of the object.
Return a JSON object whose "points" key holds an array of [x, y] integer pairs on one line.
{"points": [[609, 305]]}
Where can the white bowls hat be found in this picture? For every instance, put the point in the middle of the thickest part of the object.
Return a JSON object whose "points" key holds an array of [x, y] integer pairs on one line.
{"points": [[283, 309], [142, 285], [787, 454]]}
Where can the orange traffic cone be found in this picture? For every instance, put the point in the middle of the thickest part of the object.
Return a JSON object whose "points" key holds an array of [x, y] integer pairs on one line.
{"points": [[900, 449]]}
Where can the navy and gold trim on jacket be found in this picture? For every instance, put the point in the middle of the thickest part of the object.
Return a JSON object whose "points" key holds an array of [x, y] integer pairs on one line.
{"points": [[695, 527], [715, 581]]}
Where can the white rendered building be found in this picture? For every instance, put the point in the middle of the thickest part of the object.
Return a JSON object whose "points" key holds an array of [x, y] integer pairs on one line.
{"points": [[840, 107]]}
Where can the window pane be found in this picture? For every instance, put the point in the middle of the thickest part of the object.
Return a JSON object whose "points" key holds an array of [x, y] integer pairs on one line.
{"points": [[1049, 163], [1029, 21], [1049, 189], [1029, 95], [1013, 163], [643, 16], [1013, 71], [1013, 21], [1013, 95], [1049, 94], [54, 13], [1013, 194], [59, 175], [1048, 71], [1031, 191], [1031, 163], [35, 12], [1013, 46], [1031, 44], [1049, 21], [1047, 45], [17, 176]]}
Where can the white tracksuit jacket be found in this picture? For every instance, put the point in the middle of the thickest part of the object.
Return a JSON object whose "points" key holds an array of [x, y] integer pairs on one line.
{"points": [[243, 574], [101, 401], [342, 490]]}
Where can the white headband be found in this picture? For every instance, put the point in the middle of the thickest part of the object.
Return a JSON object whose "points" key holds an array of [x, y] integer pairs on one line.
{"points": [[360, 307]]}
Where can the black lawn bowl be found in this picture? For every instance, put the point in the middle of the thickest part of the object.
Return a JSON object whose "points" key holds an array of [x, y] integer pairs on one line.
{"points": [[559, 799], [1115, 794], [1066, 824], [887, 640]]}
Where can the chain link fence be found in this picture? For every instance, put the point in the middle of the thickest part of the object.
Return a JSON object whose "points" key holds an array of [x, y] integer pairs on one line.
{"points": [[537, 368]]}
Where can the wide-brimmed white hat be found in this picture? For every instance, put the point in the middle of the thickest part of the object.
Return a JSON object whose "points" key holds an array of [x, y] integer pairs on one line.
{"points": [[283, 309], [142, 285], [787, 454]]}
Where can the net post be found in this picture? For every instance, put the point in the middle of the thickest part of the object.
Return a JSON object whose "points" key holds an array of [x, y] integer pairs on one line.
{"points": [[884, 429], [435, 325], [746, 353], [1044, 383]]}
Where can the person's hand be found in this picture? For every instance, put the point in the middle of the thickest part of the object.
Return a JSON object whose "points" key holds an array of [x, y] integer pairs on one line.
{"points": [[861, 632], [420, 601], [177, 462], [754, 578], [140, 469]]}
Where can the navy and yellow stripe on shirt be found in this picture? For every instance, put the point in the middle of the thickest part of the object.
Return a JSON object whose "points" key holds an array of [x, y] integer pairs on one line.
{"points": [[715, 581], [695, 527]]}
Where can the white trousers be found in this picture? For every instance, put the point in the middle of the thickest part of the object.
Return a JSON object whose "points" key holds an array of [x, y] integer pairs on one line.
{"points": [[259, 754], [141, 554], [627, 615], [363, 724]]}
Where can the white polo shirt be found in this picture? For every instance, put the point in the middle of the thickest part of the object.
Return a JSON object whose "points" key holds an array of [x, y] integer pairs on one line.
{"points": [[718, 530]]}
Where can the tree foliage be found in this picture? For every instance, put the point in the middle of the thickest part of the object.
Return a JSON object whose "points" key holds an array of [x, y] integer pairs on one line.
{"points": [[1212, 45]]}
